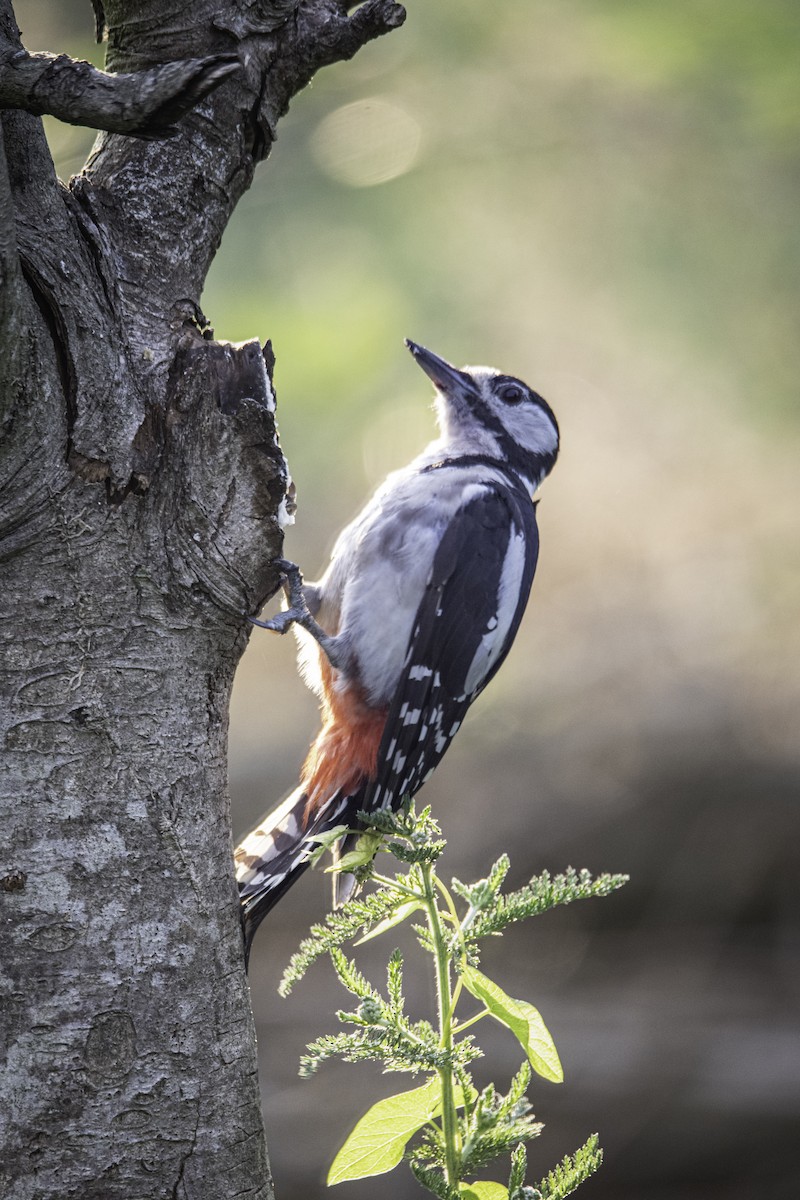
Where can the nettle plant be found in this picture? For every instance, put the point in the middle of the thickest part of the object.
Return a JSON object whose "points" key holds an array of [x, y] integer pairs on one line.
{"points": [[446, 1129]]}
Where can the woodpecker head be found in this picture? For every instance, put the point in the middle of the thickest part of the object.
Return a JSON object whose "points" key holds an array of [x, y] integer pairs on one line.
{"points": [[482, 411]]}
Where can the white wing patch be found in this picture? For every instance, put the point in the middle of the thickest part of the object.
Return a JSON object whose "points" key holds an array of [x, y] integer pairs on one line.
{"points": [[493, 641]]}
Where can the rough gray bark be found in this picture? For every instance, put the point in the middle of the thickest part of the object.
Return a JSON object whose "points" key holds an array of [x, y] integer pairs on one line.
{"points": [[146, 103], [141, 487]]}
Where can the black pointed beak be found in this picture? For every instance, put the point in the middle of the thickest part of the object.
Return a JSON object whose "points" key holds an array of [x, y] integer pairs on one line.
{"points": [[447, 378]]}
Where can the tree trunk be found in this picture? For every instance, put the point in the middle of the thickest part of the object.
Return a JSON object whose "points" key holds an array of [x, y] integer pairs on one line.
{"points": [[143, 492]]}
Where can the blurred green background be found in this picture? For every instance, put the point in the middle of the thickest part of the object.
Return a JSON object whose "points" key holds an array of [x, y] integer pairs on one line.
{"points": [[602, 197]]}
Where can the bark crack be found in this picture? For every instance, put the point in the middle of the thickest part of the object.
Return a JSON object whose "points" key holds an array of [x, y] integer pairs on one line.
{"points": [[51, 315], [185, 1158]]}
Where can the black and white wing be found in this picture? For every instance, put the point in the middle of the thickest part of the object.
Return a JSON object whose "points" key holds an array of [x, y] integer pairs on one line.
{"points": [[468, 617]]}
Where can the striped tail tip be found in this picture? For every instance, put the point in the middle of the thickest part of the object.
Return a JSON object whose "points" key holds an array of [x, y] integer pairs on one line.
{"points": [[268, 861], [277, 852]]}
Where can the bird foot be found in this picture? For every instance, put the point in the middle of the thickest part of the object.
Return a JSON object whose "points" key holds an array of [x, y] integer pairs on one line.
{"points": [[297, 613], [281, 623]]}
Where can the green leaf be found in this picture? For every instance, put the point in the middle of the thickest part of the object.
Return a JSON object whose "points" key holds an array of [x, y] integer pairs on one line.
{"points": [[341, 925], [519, 1167], [377, 1142], [365, 850], [397, 917], [572, 1171], [325, 841], [522, 1019], [484, 1189]]}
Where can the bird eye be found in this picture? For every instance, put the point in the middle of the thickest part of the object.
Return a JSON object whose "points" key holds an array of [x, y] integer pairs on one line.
{"points": [[511, 393]]}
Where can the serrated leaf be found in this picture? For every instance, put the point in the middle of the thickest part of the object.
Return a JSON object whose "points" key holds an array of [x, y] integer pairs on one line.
{"points": [[378, 1141], [363, 853], [396, 918], [571, 1172], [484, 1189], [325, 841], [524, 1021]]}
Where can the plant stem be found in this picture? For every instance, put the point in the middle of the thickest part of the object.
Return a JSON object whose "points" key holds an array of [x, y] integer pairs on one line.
{"points": [[448, 899], [450, 1130], [395, 886], [462, 1025]]}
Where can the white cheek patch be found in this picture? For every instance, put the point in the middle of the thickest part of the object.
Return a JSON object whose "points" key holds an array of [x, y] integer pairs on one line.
{"points": [[529, 426], [493, 641]]}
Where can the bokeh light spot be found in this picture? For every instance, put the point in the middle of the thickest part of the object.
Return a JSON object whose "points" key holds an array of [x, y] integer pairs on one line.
{"points": [[367, 142]]}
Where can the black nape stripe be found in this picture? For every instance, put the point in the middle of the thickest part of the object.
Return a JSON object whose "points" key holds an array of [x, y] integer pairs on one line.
{"points": [[504, 467]]}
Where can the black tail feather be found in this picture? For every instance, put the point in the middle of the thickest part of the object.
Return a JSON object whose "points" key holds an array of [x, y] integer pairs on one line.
{"points": [[255, 907], [276, 853]]}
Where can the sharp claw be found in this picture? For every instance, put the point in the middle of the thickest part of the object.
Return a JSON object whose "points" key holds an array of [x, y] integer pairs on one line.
{"points": [[262, 624], [292, 583], [280, 623], [297, 612]]}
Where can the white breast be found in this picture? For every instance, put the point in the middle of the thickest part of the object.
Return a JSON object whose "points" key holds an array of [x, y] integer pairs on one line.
{"points": [[381, 565]]}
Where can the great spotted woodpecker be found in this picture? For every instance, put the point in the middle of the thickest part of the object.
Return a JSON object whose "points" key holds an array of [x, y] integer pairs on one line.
{"points": [[418, 608]]}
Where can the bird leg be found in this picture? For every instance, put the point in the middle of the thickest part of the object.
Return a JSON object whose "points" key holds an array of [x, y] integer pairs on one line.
{"points": [[297, 613]]}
